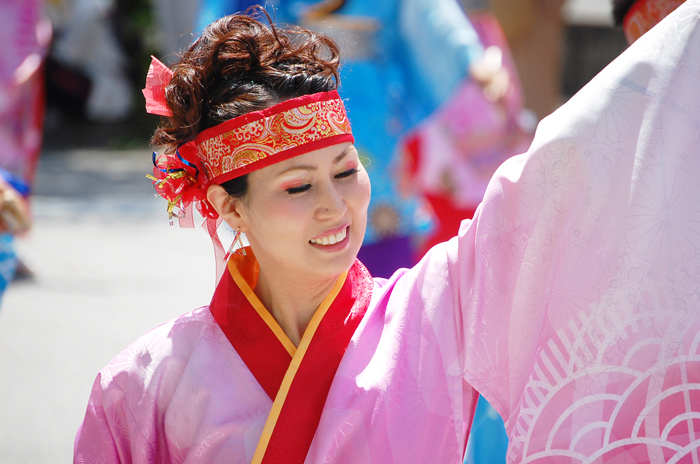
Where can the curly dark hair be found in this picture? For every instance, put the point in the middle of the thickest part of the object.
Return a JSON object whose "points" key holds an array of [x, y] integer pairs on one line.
{"points": [[238, 65]]}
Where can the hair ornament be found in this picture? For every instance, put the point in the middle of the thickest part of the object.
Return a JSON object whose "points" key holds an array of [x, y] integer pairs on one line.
{"points": [[177, 177], [179, 182], [157, 79]]}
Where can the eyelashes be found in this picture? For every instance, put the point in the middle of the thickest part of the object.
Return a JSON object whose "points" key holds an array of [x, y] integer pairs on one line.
{"points": [[300, 189], [306, 187], [347, 173]]}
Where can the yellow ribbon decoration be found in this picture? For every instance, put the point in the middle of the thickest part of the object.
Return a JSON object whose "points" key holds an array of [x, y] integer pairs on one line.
{"points": [[168, 176]]}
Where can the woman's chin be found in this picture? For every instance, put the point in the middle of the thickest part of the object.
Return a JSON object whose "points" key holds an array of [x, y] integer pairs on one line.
{"points": [[331, 266]]}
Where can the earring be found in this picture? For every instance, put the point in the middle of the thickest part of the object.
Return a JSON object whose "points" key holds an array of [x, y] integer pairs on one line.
{"points": [[236, 247]]}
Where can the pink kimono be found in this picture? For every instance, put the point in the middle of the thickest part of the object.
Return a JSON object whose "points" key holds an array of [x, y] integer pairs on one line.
{"points": [[571, 302]]}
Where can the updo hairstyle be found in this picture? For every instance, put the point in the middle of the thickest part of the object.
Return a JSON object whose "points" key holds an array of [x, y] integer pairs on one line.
{"points": [[239, 65]]}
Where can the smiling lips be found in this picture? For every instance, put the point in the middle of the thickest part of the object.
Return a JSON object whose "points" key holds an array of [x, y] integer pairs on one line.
{"points": [[331, 239]]}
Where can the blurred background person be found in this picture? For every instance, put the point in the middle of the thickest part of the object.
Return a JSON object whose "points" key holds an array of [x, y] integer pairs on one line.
{"points": [[638, 16], [536, 33], [102, 47], [449, 158], [86, 43], [25, 34]]}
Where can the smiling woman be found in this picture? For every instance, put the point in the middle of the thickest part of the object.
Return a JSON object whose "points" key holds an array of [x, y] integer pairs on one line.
{"points": [[547, 303]]}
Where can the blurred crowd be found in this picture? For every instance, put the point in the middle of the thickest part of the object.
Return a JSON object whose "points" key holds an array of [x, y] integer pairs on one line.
{"points": [[437, 93]]}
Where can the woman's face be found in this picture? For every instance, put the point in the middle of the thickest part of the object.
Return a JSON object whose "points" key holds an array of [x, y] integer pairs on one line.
{"points": [[307, 216]]}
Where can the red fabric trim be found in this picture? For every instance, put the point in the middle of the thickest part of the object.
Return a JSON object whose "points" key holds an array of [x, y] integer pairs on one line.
{"points": [[301, 412], [268, 360], [288, 154], [37, 120], [249, 335], [645, 14], [475, 401], [449, 218], [267, 112]]}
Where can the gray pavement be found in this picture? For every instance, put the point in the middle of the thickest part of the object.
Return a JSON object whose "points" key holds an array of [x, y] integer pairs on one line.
{"points": [[108, 268]]}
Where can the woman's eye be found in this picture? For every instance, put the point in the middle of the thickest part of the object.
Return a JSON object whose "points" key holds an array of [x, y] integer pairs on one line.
{"points": [[300, 189], [347, 173]]}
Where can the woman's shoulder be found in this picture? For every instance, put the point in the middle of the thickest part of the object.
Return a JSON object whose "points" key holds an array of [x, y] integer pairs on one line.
{"points": [[134, 391], [162, 352]]}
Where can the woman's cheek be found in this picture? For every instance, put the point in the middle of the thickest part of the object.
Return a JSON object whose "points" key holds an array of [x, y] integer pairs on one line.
{"points": [[291, 209], [366, 189]]}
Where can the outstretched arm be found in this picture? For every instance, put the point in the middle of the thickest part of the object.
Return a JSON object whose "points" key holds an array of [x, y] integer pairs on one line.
{"points": [[578, 280]]}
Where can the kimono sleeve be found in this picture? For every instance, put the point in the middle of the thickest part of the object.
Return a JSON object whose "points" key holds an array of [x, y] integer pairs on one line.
{"points": [[109, 433], [578, 281], [95, 441]]}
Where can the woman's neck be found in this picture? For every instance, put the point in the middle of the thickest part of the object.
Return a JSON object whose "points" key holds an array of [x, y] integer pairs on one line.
{"points": [[292, 303]]}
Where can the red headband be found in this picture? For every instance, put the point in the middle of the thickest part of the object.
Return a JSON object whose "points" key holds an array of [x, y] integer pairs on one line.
{"points": [[255, 140], [644, 15]]}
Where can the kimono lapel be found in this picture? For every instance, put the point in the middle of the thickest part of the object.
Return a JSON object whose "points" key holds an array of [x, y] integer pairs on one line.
{"points": [[251, 329], [296, 378]]}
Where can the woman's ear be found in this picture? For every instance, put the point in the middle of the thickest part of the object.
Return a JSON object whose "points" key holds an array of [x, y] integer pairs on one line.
{"points": [[229, 208]]}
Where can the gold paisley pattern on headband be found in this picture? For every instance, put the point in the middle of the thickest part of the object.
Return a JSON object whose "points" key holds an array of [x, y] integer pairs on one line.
{"points": [[260, 139]]}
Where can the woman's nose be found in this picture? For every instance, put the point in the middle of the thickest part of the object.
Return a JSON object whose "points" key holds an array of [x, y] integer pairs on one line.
{"points": [[331, 205]]}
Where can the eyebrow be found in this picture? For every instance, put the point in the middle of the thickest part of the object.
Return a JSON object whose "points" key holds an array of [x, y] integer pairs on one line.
{"points": [[308, 167]]}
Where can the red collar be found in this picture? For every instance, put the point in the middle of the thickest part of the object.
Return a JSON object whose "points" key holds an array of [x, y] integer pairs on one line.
{"points": [[297, 379]]}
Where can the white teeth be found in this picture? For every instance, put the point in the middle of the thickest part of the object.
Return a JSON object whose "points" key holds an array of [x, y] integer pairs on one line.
{"points": [[331, 239]]}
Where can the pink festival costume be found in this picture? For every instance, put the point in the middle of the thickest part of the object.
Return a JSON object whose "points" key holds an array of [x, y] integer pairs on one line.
{"points": [[571, 302]]}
